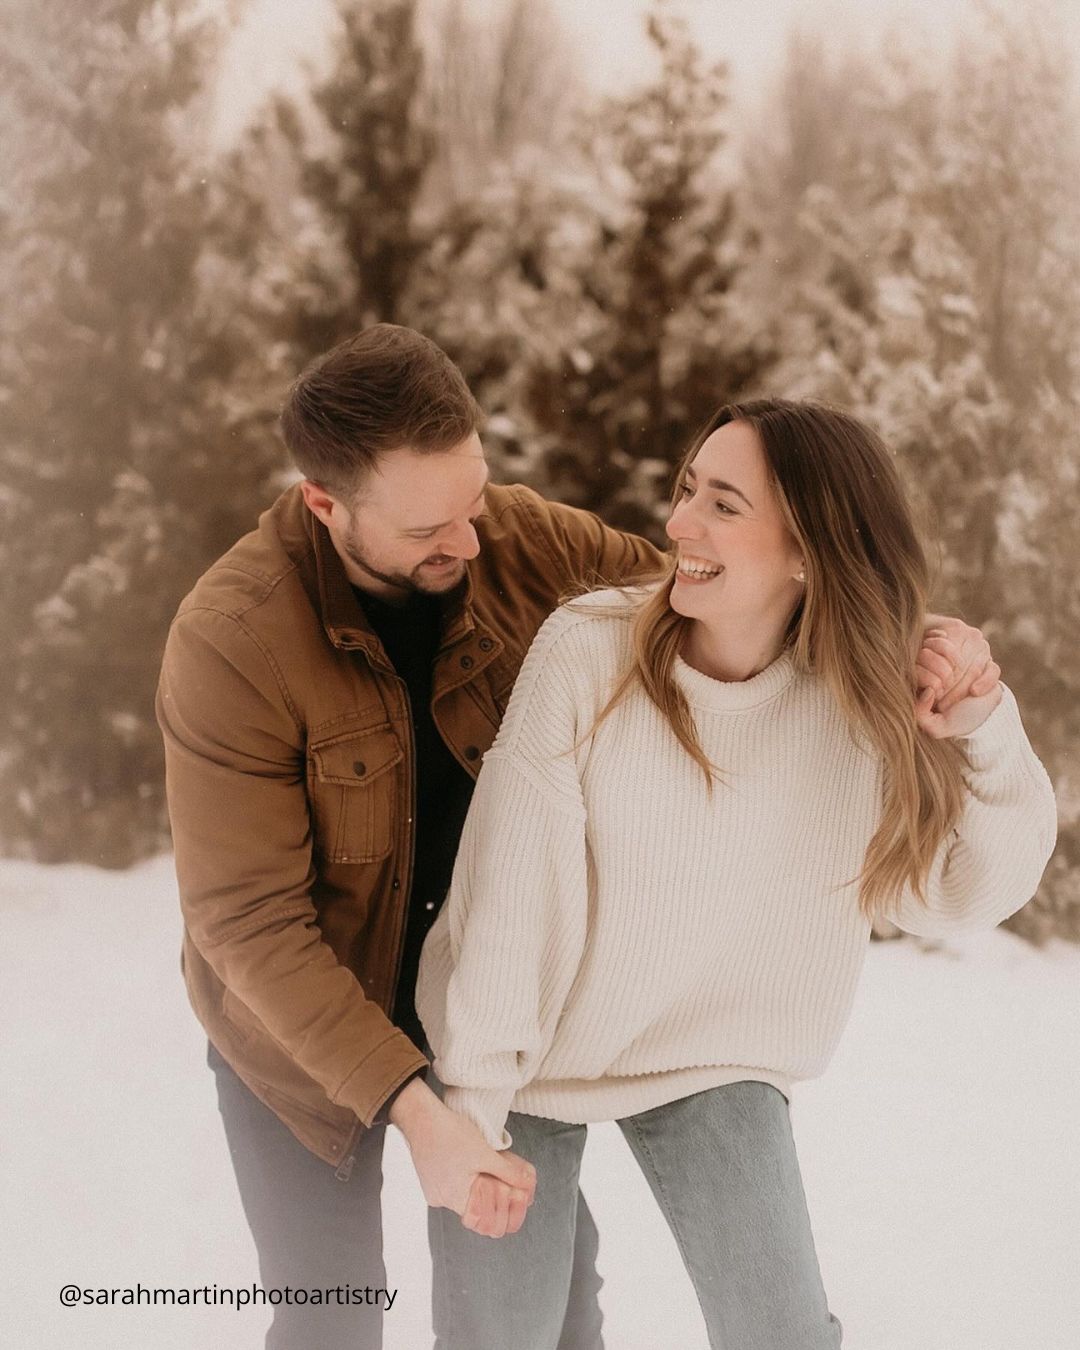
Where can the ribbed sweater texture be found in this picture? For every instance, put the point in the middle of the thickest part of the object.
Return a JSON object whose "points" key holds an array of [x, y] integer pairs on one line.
{"points": [[616, 938]]}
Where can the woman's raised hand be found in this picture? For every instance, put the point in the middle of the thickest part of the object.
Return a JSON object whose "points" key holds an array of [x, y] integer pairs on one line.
{"points": [[957, 678]]}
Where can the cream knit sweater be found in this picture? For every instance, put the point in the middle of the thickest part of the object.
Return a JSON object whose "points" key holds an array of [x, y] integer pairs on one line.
{"points": [[614, 939]]}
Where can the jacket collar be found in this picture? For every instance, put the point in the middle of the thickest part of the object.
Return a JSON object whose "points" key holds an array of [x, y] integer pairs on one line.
{"points": [[344, 620]]}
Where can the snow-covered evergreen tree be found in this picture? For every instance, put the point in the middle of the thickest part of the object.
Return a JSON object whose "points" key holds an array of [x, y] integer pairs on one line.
{"points": [[361, 150], [925, 272], [500, 86], [119, 486], [412, 186], [652, 345]]}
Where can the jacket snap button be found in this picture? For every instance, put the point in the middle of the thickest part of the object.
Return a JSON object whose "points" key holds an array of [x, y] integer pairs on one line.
{"points": [[466, 663], [471, 752], [486, 644], [359, 768]]}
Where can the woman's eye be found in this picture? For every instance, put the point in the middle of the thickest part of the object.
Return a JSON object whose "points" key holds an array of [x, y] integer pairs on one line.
{"points": [[686, 489]]}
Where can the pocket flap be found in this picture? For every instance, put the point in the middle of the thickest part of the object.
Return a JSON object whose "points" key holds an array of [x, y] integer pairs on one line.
{"points": [[355, 759]]}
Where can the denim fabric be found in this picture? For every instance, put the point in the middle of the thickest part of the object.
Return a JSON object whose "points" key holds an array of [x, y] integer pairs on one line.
{"points": [[722, 1166], [312, 1230]]}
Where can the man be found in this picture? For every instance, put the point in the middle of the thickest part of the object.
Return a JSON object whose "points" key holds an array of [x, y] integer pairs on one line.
{"points": [[327, 693]]}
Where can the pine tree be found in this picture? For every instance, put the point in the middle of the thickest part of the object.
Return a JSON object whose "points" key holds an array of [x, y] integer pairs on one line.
{"points": [[361, 153], [120, 484], [499, 89], [928, 277], [651, 348], [586, 290], [1014, 143]]}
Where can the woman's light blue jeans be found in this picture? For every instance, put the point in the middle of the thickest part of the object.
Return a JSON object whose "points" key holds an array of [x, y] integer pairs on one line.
{"points": [[722, 1166]]}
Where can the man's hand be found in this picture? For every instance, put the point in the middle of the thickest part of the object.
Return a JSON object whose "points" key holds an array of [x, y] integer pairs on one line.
{"points": [[449, 1154], [957, 678]]}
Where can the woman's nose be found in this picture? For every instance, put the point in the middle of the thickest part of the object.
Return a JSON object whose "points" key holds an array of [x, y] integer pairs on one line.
{"points": [[680, 524]]}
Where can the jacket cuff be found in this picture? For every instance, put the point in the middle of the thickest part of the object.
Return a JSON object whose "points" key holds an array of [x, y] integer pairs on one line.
{"points": [[382, 1115], [379, 1074]]}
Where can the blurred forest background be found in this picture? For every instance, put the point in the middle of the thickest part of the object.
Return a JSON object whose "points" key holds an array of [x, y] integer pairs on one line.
{"points": [[896, 234]]}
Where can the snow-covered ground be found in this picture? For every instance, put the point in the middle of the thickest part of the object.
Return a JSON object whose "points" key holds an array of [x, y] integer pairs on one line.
{"points": [[941, 1152]]}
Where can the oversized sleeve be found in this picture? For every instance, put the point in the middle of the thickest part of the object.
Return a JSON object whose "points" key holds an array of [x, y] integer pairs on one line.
{"points": [[500, 961], [993, 860], [235, 757]]}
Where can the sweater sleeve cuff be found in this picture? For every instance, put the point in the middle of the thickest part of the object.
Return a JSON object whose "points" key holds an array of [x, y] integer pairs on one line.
{"points": [[998, 738], [487, 1108]]}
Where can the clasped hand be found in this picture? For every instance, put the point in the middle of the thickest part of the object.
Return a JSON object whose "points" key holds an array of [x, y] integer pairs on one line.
{"points": [[490, 1189], [957, 678]]}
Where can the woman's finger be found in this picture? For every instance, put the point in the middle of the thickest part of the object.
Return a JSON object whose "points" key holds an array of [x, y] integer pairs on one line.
{"points": [[965, 686], [518, 1209], [500, 1214], [477, 1211], [987, 680]]}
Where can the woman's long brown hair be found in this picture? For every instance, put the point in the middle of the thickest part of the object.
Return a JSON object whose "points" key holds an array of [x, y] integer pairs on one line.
{"points": [[858, 627]]}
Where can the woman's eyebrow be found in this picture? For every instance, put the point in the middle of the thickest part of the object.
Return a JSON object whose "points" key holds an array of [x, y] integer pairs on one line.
{"points": [[721, 486]]}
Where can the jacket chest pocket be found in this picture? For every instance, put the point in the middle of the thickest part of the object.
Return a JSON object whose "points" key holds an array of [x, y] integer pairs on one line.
{"points": [[354, 791]]}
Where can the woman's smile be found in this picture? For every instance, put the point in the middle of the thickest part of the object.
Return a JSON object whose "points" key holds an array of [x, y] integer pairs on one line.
{"points": [[697, 571]]}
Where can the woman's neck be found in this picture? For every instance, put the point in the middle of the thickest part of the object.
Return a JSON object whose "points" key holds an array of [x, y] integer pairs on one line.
{"points": [[730, 655]]}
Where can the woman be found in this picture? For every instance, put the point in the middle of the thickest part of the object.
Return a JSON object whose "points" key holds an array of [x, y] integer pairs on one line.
{"points": [[701, 794]]}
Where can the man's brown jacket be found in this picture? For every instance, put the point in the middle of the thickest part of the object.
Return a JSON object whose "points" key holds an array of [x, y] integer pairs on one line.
{"points": [[290, 777]]}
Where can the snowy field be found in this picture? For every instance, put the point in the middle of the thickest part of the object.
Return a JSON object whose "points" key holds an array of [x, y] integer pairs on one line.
{"points": [[941, 1152]]}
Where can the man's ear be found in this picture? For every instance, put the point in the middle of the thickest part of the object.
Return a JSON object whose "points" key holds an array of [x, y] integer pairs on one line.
{"points": [[319, 502]]}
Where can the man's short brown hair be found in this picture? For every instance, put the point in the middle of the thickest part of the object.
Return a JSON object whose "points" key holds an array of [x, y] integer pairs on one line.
{"points": [[385, 389]]}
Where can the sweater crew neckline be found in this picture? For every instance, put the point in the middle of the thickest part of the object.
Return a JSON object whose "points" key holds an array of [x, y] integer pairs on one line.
{"points": [[710, 695]]}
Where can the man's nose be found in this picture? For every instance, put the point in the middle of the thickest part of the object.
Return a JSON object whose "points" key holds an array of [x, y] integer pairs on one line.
{"points": [[464, 542]]}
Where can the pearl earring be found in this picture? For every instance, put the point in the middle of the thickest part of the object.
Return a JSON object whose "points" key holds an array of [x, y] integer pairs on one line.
{"points": [[802, 574]]}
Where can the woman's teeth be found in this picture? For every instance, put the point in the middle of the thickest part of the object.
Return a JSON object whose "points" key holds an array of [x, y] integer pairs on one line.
{"points": [[695, 567]]}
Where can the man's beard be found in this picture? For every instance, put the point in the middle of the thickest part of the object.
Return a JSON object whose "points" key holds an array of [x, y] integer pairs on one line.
{"points": [[407, 583]]}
